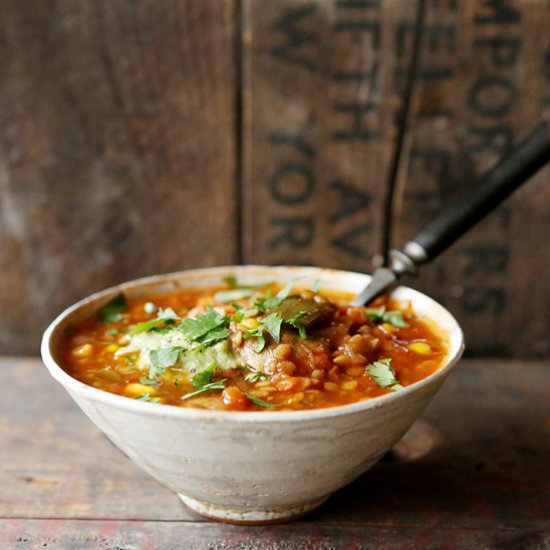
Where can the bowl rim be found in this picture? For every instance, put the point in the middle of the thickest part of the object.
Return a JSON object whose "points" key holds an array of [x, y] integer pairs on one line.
{"points": [[189, 413]]}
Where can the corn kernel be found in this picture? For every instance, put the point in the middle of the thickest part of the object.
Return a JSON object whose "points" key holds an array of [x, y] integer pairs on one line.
{"points": [[83, 351], [297, 397], [135, 388], [250, 323], [349, 385], [420, 347], [238, 338], [331, 386], [342, 360], [318, 374], [388, 327], [111, 348]]}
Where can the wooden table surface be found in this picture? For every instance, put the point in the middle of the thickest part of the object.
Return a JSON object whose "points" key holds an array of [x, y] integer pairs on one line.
{"points": [[472, 473]]}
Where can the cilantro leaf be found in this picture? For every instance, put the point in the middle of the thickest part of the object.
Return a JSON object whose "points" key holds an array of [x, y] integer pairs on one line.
{"points": [[111, 312], [273, 323], [164, 316], [220, 385], [161, 358], [395, 318], [197, 328], [255, 377], [383, 374], [143, 397], [230, 281], [263, 303], [284, 292], [297, 324], [316, 287], [257, 333], [205, 376], [239, 313], [214, 336], [148, 382], [273, 301], [380, 315], [260, 402]]}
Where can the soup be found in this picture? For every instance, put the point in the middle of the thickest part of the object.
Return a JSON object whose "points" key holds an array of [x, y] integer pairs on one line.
{"points": [[253, 348]]}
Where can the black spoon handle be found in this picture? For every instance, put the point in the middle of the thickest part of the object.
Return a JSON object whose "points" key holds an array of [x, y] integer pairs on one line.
{"points": [[491, 189]]}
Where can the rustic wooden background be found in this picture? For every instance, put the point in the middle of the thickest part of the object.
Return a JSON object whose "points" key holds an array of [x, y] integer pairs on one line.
{"points": [[146, 136]]}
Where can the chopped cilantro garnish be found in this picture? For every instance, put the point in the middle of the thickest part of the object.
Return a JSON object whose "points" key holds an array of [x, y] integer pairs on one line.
{"points": [[316, 287], [255, 377], [112, 332], [284, 292], [214, 336], [297, 324], [148, 382], [207, 328], [380, 315], [143, 397], [273, 323], [260, 402], [111, 312], [265, 302], [269, 301], [383, 374], [395, 318], [239, 313], [205, 376], [162, 358], [219, 385], [164, 316], [257, 333], [230, 281]]}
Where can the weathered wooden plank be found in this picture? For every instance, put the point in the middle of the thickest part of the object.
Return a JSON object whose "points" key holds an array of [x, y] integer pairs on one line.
{"points": [[483, 84], [55, 463], [117, 142], [475, 461], [478, 462], [319, 103], [71, 535]]}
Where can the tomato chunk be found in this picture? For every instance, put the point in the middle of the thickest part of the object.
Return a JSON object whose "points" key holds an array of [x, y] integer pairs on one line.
{"points": [[234, 399]]}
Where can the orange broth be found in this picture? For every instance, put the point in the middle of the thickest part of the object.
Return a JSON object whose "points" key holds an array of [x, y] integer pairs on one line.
{"points": [[332, 366]]}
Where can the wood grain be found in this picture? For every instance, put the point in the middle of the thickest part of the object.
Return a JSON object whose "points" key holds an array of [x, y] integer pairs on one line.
{"points": [[117, 149], [483, 84], [470, 470], [103, 535], [318, 128], [146, 136]]}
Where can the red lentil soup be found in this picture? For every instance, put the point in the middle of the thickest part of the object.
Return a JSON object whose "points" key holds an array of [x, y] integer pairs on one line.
{"points": [[253, 348]]}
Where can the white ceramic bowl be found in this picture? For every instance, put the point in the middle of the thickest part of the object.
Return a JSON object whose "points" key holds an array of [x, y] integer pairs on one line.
{"points": [[252, 467]]}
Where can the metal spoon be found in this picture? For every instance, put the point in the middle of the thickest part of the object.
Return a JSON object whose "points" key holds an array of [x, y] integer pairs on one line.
{"points": [[457, 218]]}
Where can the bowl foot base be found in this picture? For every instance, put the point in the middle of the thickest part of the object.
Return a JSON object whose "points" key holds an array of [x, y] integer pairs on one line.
{"points": [[250, 517]]}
